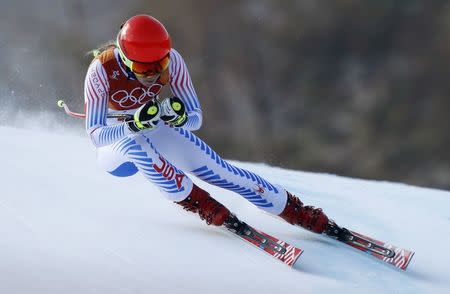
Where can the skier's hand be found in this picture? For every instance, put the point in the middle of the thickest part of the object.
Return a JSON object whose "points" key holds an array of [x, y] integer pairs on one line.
{"points": [[145, 118], [173, 111]]}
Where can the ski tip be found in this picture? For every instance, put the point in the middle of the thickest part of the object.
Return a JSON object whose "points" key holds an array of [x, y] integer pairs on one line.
{"points": [[408, 261], [61, 103], [294, 261]]}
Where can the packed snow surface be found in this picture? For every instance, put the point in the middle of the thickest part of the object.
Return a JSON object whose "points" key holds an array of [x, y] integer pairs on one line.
{"points": [[68, 227]]}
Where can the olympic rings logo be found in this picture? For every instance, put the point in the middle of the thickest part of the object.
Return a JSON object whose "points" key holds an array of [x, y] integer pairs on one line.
{"points": [[136, 97]]}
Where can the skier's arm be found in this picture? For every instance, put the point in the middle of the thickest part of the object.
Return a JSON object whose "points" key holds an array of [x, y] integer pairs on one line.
{"points": [[96, 106], [181, 86]]}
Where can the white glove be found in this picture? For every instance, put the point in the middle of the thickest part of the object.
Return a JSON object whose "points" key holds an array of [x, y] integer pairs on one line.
{"points": [[173, 111], [145, 118]]}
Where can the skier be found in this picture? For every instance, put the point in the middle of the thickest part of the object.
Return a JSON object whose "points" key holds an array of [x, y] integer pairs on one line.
{"points": [[126, 77]]}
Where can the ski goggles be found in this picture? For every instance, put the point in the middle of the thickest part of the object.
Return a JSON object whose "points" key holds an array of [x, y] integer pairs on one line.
{"points": [[145, 69]]}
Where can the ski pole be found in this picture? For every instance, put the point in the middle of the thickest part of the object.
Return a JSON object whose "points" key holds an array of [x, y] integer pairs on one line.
{"points": [[63, 104]]}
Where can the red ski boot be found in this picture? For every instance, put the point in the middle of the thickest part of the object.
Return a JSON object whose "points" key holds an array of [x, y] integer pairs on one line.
{"points": [[308, 217], [207, 207]]}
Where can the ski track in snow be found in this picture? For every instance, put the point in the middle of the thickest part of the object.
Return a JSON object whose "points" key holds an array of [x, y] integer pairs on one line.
{"points": [[68, 227]]}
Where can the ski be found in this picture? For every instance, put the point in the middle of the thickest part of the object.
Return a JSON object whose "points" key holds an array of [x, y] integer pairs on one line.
{"points": [[273, 246], [388, 253]]}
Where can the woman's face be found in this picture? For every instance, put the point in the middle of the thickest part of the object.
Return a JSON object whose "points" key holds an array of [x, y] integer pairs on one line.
{"points": [[148, 80]]}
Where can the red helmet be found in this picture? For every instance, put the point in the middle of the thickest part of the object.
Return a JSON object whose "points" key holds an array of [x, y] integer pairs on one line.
{"points": [[143, 38]]}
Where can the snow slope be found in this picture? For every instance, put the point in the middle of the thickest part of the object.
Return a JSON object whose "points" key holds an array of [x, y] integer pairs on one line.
{"points": [[68, 227]]}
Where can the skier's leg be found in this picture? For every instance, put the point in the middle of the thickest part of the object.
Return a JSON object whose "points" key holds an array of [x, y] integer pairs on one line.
{"points": [[173, 183], [191, 154], [141, 153]]}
